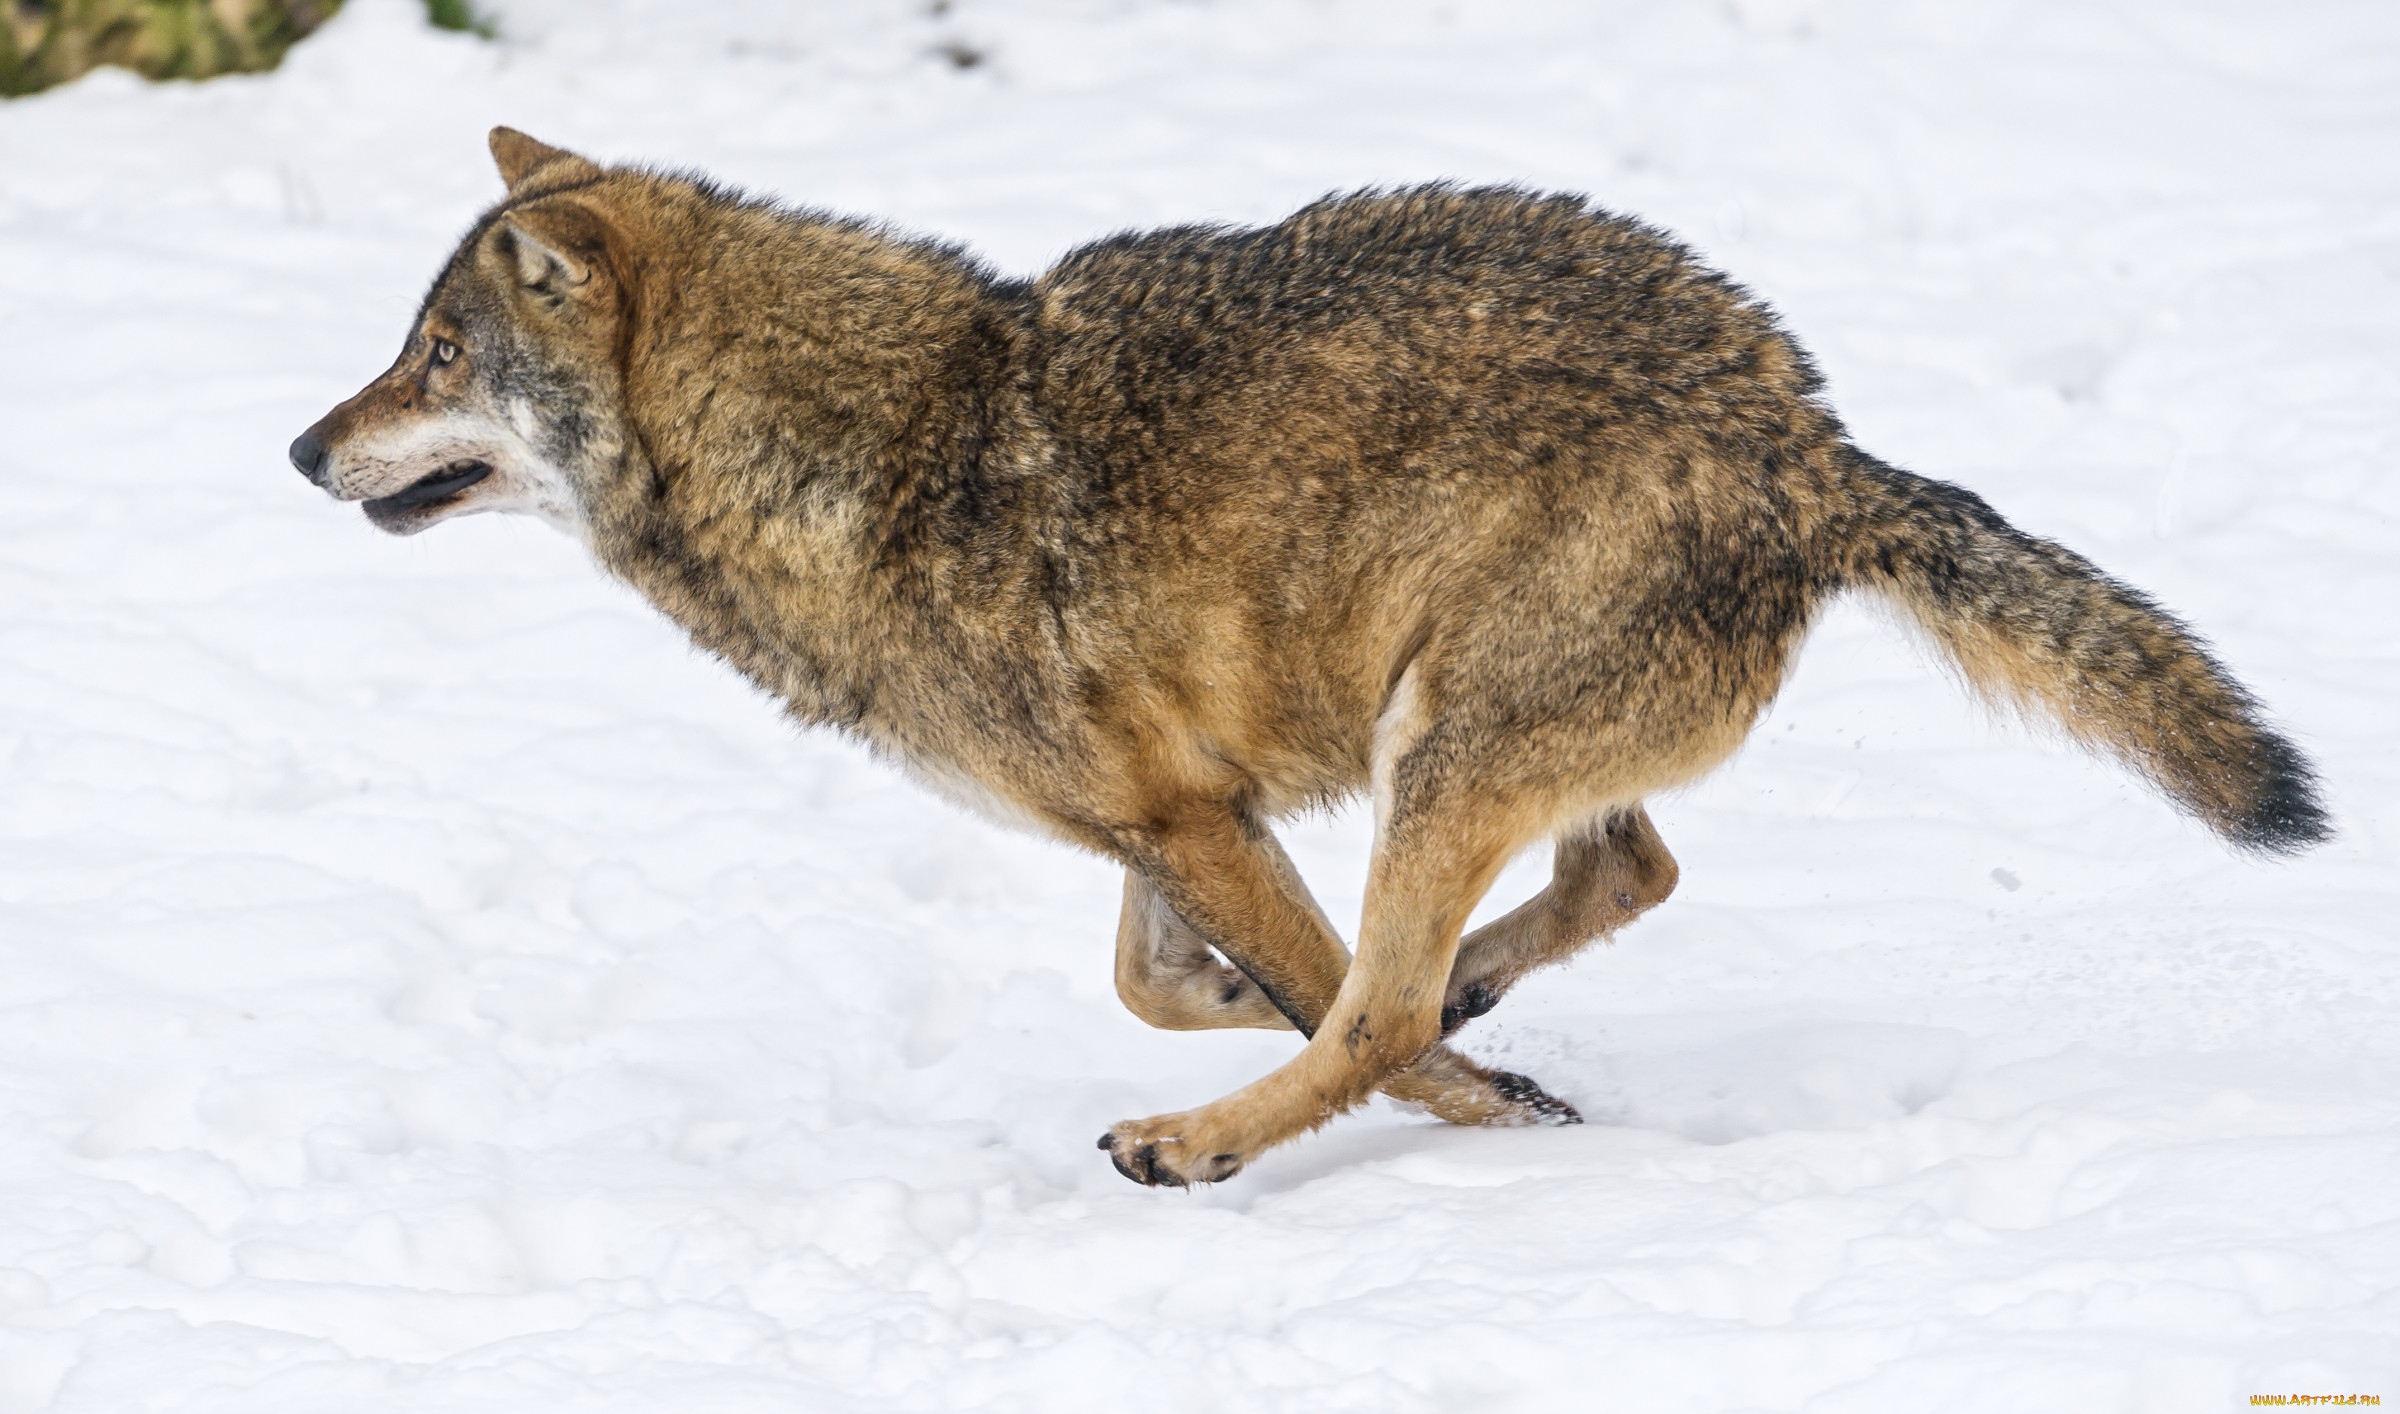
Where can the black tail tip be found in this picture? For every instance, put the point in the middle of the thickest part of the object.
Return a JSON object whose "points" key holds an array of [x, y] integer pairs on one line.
{"points": [[2285, 814]]}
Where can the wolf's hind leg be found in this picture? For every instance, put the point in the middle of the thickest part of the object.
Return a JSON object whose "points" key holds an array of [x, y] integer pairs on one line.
{"points": [[1603, 876]]}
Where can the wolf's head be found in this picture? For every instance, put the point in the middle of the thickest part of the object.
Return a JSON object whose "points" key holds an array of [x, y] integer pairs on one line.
{"points": [[505, 396]]}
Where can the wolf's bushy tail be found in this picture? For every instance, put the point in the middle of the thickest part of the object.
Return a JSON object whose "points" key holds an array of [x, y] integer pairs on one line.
{"points": [[2032, 624]]}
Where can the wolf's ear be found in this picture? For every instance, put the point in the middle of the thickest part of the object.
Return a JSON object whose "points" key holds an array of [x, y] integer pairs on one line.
{"points": [[554, 245], [521, 159]]}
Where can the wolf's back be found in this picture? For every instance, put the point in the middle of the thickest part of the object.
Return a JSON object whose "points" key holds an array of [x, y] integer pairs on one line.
{"points": [[2031, 623]]}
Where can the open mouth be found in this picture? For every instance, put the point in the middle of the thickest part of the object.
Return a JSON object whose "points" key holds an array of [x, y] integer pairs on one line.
{"points": [[440, 486]]}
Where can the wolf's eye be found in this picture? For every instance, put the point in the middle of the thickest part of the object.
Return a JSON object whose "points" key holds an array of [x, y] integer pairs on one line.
{"points": [[444, 351]]}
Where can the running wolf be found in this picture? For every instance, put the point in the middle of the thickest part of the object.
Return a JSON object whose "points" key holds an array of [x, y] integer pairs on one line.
{"points": [[1495, 506]]}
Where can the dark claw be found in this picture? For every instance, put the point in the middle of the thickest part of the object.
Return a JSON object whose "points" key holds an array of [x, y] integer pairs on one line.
{"points": [[1474, 1000], [1547, 1108], [1144, 1168], [1152, 1173]]}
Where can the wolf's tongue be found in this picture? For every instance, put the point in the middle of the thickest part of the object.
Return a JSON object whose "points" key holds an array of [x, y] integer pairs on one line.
{"points": [[436, 486]]}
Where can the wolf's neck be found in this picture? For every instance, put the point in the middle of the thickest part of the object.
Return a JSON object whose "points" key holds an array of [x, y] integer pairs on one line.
{"points": [[829, 436]]}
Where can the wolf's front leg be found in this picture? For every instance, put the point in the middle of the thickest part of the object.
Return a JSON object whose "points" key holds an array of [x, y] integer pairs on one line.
{"points": [[1168, 976], [1225, 882], [1384, 1027]]}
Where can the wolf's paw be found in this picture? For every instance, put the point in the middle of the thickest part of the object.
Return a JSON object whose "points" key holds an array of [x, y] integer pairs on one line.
{"points": [[1154, 1152], [1451, 1087], [1465, 1003], [1534, 1104]]}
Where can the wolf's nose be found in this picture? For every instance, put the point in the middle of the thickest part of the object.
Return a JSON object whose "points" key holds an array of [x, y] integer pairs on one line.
{"points": [[308, 454]]}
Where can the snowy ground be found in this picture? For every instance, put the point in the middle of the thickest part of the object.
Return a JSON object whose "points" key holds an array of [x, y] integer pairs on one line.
{"points": [[425, 984]]}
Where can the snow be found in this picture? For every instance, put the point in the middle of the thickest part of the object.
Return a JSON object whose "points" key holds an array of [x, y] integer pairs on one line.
{"points": [[426, 984]]}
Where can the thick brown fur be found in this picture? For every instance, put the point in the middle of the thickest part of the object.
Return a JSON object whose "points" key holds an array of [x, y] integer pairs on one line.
{"points": [[1499, 507]]}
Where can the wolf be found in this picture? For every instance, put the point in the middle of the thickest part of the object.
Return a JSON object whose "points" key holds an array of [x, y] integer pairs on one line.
{"points": [[1492, 505]]}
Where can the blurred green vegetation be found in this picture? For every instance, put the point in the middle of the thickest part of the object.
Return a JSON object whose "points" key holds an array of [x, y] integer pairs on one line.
{"points": [[45, 42], [458, 14]]}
